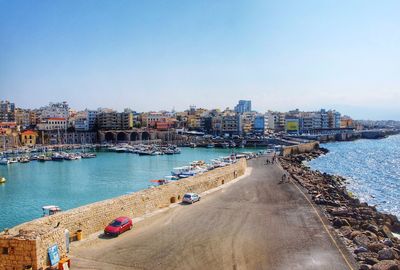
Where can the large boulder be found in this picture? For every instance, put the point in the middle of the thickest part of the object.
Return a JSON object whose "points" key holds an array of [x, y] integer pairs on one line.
{"points": [[376, 246], [361, 240], [386, 265], [386, 254], [346, 231]]}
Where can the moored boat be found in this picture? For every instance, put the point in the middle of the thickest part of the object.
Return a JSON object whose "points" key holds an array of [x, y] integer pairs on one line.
{"points": [[43, 158], [4, 161], [88, 155], [120, 150], [171, 177], [49, 210], [12, 160], [57, 157], [24, 160], [145, 152]]}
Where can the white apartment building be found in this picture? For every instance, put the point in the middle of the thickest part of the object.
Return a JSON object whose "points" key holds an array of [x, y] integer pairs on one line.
{"points": [[53, 124], [55, 110]]}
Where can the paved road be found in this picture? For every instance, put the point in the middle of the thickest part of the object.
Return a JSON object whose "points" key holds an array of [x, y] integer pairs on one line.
{"points": [[255, 223]]}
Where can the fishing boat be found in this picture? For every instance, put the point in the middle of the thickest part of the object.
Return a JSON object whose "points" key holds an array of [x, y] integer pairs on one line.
{"points": [[169, 152], [72, 157], [24, 160], [2, 180], [88, 155], [187, 171], [43, 158], [145, 152], [49, 210], [57, 157], [198, 163], [4, 161], [12, 160], [180, 170], [210, 145], [120, 150], [171, 177]]}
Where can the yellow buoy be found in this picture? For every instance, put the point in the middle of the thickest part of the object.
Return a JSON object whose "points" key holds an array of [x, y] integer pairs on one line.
{"points": [[2, 180]]}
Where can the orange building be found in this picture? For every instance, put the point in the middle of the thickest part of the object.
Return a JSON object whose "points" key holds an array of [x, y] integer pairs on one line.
{"points": [[29, 137], [346, 123]]}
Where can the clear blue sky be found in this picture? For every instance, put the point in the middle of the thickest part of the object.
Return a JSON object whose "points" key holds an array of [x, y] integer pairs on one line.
{"points": [[163, 54]]}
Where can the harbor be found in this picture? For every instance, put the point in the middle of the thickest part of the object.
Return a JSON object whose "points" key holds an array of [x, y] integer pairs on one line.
{"points": [[67, 184]]}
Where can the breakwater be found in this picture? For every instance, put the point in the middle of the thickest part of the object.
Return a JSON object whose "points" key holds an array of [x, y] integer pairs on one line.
{"points": [[299, 148], [27, 243], [367, 232], [351, 135]]}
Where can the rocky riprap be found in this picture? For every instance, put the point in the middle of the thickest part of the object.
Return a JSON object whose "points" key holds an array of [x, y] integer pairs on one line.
{"points": [[364, 230]]}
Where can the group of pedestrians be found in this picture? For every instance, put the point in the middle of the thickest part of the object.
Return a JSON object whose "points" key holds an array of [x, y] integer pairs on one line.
{"points": [[271, 161]]}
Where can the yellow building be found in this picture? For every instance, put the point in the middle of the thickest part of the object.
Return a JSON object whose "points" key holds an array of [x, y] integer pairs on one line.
{"points": [[346, 123], [28, 138]]}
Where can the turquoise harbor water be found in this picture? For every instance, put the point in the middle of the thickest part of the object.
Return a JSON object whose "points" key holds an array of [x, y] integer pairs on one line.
{"points": [[372, 168], [70, 184]]}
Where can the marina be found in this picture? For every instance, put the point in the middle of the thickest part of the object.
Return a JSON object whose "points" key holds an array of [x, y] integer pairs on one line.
{"points": [[67, 184]]}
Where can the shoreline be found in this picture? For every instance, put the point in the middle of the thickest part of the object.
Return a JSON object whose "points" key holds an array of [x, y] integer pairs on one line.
{"points": [[351, 177], [365, 231]]}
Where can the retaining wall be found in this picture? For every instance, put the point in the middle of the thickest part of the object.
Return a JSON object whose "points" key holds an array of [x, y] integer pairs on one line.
{"points": [[300, 148], [31, 240]]}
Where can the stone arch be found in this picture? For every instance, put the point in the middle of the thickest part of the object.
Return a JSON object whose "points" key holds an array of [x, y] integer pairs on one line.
{"points": [[146, 136], [109, 137], [122, 137], [134, 136]]}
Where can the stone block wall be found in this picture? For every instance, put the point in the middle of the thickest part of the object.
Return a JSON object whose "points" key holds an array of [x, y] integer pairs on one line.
{"points": [[16, 254], [94, 217], [300, 148]]}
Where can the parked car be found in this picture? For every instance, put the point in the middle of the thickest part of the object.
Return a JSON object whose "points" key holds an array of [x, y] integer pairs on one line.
{"points": [[118, 226], [191, 198]]}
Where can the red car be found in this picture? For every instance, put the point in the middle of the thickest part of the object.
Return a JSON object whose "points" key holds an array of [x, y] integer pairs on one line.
{"points": [[118, 226]]}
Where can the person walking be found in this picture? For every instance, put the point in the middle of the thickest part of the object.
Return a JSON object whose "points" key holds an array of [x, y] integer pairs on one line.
{"points": [[283, 178]]}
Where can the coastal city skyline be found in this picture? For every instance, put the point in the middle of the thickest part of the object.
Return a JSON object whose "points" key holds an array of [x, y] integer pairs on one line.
{"points": [[101, 54], [228, 134], [357, 114]]}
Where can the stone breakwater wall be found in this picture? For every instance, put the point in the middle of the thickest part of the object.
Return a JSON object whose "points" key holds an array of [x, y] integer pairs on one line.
{"points": [[27, 244], [366, 232], [300, 148]]}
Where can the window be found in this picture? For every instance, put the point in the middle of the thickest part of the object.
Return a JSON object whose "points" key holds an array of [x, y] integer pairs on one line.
{"points": [[5, 251], [115, 223]]}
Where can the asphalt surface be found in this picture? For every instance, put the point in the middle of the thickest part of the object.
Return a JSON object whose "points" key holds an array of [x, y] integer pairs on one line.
{"points": [[255, 223]]}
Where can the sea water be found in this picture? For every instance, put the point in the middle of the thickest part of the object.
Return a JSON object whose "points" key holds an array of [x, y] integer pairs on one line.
{"points": [[372, 168], [74, 183]]}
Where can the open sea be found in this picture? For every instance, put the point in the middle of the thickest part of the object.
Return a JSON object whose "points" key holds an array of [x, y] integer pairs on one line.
{"points": [[74, 183], [372, 168]]}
